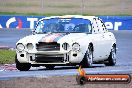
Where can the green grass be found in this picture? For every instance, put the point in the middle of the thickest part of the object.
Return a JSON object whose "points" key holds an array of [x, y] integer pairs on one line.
{"points": [[30, 14], [20, 4], [7, 56], [59, 14], [16, 13], [38, 14], [69, 6]]}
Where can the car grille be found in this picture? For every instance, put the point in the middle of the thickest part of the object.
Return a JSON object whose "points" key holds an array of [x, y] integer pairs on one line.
{"points": [[43, 46], [49, 58]]}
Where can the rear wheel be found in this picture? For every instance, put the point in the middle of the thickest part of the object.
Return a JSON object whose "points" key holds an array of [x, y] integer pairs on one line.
{"points": [[88, 58], [112, 57], [22, 66]]}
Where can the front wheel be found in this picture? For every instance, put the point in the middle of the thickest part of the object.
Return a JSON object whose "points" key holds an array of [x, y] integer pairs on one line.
{"points": [[22, 66], [88, 58], [112, 57]]}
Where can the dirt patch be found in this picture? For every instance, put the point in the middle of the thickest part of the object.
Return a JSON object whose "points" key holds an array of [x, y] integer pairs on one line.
{"points": [[54, 82]]}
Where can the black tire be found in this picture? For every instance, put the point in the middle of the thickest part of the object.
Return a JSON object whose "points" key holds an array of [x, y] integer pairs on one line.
{"points": [[22, 66], [51, 67], [111, 61], [88, 58]]}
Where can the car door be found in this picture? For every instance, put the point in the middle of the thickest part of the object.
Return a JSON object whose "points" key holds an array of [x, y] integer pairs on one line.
{"points": [[106, 41], [99, 40]]}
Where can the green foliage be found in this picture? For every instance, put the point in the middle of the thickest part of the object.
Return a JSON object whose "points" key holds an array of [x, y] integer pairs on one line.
{"points": [[7, 56]]}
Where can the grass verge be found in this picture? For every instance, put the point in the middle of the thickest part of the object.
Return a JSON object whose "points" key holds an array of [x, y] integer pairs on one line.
{"points": [[41, 14], [7, 56], [32, 14], [60, 14]]}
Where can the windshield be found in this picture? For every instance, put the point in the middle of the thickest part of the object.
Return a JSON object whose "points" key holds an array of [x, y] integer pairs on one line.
{"points": [[63, 25]]}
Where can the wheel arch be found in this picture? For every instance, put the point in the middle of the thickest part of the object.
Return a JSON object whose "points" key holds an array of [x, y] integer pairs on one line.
{"points": [[114, 45], [91, 45], [85, 62]]}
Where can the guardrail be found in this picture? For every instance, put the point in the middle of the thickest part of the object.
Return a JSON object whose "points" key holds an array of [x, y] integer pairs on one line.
{"points": [[112, 22]]}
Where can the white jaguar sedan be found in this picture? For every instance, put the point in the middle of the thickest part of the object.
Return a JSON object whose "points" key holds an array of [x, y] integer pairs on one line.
{"points": [[67, 40]]}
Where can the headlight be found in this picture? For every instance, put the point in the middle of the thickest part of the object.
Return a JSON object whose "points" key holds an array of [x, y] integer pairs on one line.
{"points": [[75, 47], [20, 47], [65, 46], [29, 46]]}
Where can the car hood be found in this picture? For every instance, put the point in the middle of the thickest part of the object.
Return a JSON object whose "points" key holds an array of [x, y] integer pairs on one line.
{"points": [[52, 37]]}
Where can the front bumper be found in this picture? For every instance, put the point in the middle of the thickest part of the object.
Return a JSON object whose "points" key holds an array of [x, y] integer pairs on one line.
{"points": [[49, 57], [44, 57]]}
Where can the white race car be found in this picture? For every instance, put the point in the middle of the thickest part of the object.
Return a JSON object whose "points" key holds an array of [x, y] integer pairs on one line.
{"points": [[66, 40]]}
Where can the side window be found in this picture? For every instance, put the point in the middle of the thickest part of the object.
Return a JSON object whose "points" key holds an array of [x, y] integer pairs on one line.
{"points": [[100, 26], [104, 27], [94, 26]]}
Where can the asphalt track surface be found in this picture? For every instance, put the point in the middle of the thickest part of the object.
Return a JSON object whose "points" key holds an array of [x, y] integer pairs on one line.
{"points": [[124, 58]]}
